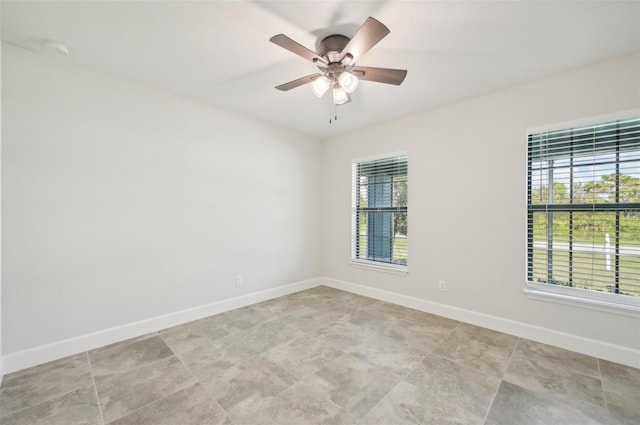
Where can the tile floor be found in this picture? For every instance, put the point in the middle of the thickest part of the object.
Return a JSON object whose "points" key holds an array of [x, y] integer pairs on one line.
{"points": [[323, 356]]}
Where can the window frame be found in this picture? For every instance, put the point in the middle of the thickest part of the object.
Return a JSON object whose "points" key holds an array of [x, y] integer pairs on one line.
{"points": [[360, 263], [573, 296]]}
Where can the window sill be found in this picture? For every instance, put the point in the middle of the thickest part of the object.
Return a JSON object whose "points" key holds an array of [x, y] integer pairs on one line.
{"points": [[369, 265], [554, 295]]}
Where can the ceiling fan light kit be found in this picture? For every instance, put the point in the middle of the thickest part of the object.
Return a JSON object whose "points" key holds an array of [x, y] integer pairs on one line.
{"points": [[336, 59], [348, 82], [320, 85], [340, 96]]}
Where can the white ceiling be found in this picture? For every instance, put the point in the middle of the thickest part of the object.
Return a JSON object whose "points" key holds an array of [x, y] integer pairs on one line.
{"points": [[218, 52]]}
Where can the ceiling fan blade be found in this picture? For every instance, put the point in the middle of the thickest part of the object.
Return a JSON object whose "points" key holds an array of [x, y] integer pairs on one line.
{"points": [[369, 34], [295, 47], [380, 75], [297, 83]]}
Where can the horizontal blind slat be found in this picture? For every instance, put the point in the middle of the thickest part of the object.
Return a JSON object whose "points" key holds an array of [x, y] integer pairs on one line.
{"points": [[624, 135]]}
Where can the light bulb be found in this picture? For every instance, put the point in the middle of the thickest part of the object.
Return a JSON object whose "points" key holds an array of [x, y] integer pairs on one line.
{"points": [[348, 82], [340, 96], [320, 85]]}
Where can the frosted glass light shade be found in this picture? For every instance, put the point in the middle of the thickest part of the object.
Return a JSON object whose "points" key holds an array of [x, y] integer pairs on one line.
{"points": [[320, 85], [348, 82], [340, 96]]}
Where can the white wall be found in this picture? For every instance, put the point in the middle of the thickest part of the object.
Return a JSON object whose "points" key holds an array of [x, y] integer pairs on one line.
{"points": [[1, 358], [122, 203], [467, 205]]}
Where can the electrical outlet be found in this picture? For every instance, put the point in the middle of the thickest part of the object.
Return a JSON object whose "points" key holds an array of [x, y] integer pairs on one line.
{"points": [[238, 280], [442, 285]]}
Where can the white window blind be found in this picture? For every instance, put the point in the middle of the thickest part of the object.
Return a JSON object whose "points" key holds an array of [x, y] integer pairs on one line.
{"points": [[379, 210], [583, 218]]}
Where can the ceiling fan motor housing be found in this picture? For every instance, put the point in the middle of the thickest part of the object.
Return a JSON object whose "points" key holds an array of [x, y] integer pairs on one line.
{"points": [[331, 46]]}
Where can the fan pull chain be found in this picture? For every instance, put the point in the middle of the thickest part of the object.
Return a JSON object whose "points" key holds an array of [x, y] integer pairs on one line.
{"points": [[333, 112]]}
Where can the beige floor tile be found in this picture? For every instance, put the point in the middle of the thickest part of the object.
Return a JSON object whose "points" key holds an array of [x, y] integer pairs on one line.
{"points": [[303, 356], [557, 357], [186, 337], [389, 354], [267, 335], [353, 384], [541, 367], [122, 393], [77, 407], [298, 405], [122, 358], [344, 335], [234, 380], [245, 318], [461, 386], [121, 343], [479, 348], [621, 385], [407, 404], [283, 305], [309, 320], [189, 406], [207, 361], [37, 384], [342, 302], [516, 405]]}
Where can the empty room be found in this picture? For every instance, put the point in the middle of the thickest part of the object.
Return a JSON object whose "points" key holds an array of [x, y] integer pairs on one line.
{"points": [[320, 212]]}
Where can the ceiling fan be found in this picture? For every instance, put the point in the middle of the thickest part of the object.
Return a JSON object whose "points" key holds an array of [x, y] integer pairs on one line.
{"points": [[336, 59]]}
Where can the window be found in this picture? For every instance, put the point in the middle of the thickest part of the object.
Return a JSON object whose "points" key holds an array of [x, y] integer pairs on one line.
{"points": [[583, 212], [379, 212]]}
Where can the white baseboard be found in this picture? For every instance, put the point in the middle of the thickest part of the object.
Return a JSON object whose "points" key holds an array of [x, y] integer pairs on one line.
{"points": [[591, 347], [13, 362]]}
